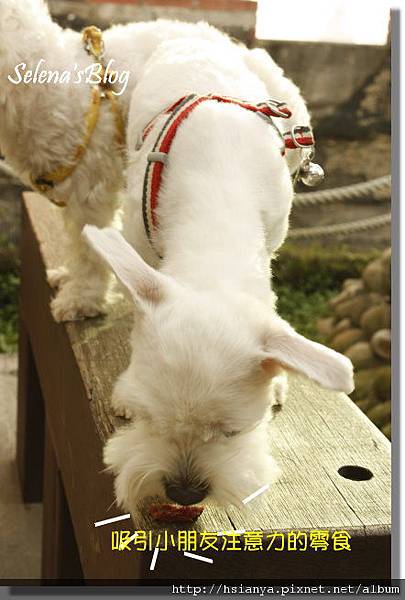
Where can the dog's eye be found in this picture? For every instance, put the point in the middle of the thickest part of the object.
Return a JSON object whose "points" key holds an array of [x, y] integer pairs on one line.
{"points": [[229, 434]]}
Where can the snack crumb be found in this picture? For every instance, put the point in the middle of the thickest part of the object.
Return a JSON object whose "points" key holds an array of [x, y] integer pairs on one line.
{"points": [[175, 513]]}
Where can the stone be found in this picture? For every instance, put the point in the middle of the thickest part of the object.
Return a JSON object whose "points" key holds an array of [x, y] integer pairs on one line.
{"points": [[386, 257], [376, 298], [365, 404], [342, 325], [375, 318], [380, 414], [376, 277], [341, 297], [355, 307], [325, 326], [386, 429], [363, 384], [361, 355], [381, 385], [349, 283], [342, 341], [353, 288], [381, 343]]}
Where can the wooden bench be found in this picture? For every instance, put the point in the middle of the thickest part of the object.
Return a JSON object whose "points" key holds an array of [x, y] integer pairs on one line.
{"points": [[65, 380]]}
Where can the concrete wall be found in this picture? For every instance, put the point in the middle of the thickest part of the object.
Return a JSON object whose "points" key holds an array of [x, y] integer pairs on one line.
{"points": [[237, 17], [346, 86]]}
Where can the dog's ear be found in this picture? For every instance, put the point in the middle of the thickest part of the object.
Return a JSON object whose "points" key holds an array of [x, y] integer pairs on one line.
{"points": [[325, 366], [144, 282]]}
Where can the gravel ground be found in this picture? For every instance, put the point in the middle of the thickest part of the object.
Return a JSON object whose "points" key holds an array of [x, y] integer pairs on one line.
{"points": [[20, 525]]}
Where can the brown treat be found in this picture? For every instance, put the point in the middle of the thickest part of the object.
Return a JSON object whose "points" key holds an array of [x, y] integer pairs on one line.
{"points": [[174, 513]]}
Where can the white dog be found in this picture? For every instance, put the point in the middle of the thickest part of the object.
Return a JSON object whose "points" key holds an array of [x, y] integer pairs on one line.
{"points": [[207, 343], [44, 125]]}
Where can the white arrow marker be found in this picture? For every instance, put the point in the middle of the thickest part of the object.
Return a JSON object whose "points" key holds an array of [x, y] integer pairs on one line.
{"points": [[106, 521], [197, 557], [154, 559], [255, 494]]}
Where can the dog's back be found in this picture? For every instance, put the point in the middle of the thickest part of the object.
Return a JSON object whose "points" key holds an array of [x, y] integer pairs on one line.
{"points": [[225, 161]]}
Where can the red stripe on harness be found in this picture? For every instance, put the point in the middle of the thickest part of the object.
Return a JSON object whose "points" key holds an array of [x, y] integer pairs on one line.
{"points": [[165, 147], [303, 141]]}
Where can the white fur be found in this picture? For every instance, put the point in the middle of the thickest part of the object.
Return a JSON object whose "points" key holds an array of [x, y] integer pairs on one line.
{"points": [[41, 125], [208, 349]]}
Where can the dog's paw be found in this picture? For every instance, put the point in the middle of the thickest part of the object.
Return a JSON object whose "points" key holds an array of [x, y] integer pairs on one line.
{"points": [[75, 307], [120, 407], [57, 277], [119, 399], [123, 411], [114, 297]]}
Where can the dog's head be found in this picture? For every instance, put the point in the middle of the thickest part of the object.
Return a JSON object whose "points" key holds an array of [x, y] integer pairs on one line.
{"points": [[200, 374]]}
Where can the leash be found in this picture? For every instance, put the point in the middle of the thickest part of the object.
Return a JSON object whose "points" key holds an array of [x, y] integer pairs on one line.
{"points": [[299, 137], [94, 46]]}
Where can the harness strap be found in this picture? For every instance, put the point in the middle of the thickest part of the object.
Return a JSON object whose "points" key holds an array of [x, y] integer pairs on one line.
{"points": [[179, 111], [44, 183], [94, 45], [270, 108], [299, 137], [154, 168]]}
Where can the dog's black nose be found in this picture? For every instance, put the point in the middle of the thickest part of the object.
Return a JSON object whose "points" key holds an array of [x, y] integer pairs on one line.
{"points": [[184, 493]]}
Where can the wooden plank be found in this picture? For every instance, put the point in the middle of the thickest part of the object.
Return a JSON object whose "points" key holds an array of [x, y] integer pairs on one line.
{"points": [[60, 558], [317, 433], [78, 447], [30, 422]]}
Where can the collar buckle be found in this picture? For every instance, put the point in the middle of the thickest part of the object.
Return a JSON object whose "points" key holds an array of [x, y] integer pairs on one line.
{"points": [[300, 131]]}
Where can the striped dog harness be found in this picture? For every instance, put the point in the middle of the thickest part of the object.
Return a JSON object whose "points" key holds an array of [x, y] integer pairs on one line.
{"points": [[298, 137]]}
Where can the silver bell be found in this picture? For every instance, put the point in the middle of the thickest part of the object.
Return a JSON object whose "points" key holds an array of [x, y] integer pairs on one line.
{"points": [[312, 174]]}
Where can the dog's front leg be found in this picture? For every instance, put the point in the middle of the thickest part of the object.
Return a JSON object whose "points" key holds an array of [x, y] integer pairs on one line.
{"points": [[83, 280], [121, 398]]}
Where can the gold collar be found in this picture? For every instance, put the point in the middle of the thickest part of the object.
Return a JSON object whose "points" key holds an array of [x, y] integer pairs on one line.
{"points": [[94, 45]]}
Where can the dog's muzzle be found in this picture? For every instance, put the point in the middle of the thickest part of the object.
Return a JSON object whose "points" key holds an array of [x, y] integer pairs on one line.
{"points": [[185, 493]]}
